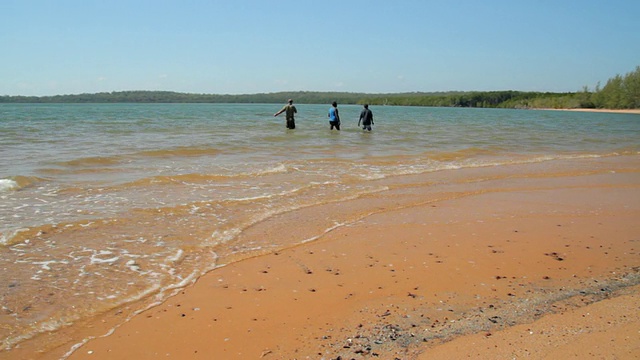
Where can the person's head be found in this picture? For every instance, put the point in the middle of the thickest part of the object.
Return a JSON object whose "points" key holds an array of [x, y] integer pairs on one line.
{"points": [[335, 104], [366, 106], [290, 101]]}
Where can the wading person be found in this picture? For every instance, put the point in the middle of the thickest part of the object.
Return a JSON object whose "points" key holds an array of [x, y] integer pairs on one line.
{"points": [[334, 117], [366, 117], [290, 111]]}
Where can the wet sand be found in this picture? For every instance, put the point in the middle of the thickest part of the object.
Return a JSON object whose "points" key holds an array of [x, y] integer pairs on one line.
{"points": [[544, 265]]}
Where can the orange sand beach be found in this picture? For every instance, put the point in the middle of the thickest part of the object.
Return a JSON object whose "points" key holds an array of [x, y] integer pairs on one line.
{"points": [[535, 260]]}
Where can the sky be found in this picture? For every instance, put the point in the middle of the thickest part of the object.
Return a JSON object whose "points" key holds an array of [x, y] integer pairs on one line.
{"points": [[56, 47]]}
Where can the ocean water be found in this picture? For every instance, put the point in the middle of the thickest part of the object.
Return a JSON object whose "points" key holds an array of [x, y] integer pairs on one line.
{"points": [[109, 204]]}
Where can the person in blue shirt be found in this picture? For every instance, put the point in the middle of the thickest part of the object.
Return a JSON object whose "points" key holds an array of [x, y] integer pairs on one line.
{"points": [[334, 117]]}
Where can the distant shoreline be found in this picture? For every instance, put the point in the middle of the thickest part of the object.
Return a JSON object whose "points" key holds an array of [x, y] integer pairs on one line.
{"points": [[476, 99], [619, 111]]}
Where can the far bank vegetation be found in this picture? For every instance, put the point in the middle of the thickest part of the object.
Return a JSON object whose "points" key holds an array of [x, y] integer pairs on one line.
{"points": [[620, 92]]}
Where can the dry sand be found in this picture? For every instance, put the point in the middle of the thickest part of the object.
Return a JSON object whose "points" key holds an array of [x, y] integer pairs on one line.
{"points": [[536, 265]]}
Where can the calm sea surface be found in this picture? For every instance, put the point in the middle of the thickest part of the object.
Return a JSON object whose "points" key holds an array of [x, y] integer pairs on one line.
{"points": [[106, 204]]}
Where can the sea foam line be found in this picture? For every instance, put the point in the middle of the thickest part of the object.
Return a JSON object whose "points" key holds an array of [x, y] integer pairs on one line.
{"points": [[8, 185]]}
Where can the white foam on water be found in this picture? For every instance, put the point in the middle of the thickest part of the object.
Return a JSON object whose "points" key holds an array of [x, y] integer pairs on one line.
{"points": [[221, 237], [280, 168], [47, 326], [7, 185], [4, 239], [176, 257], [45, 264], [97, 260]]}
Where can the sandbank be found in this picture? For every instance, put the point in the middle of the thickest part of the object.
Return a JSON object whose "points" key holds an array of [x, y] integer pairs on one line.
{"points": [[536, 260]]}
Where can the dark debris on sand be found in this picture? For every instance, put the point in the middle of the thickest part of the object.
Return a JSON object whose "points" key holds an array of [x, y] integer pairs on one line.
{"points": [[395, 333]]}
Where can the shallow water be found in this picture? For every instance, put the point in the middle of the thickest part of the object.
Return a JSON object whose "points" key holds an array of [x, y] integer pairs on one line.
{"points": [[105, 204]]}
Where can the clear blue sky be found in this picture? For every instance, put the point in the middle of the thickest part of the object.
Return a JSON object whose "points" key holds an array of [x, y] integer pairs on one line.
{"points": [[243, 47]]}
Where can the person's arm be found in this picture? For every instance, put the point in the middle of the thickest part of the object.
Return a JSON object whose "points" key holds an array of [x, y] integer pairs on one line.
{"points": [[281, 111], [337, 115], [371, 117], [361, 116]]}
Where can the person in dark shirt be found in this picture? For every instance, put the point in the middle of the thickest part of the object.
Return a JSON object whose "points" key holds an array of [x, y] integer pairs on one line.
{"points": [[366, 117], [290, 110]]}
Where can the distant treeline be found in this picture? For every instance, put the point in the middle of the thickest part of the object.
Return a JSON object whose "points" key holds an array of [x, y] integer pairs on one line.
{"points": [[300, 97], [620, 92]]}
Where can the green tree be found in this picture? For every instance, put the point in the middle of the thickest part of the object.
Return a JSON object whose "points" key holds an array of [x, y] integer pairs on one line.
{"points": [[632, 89], [620, 92], [611, 94]]}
